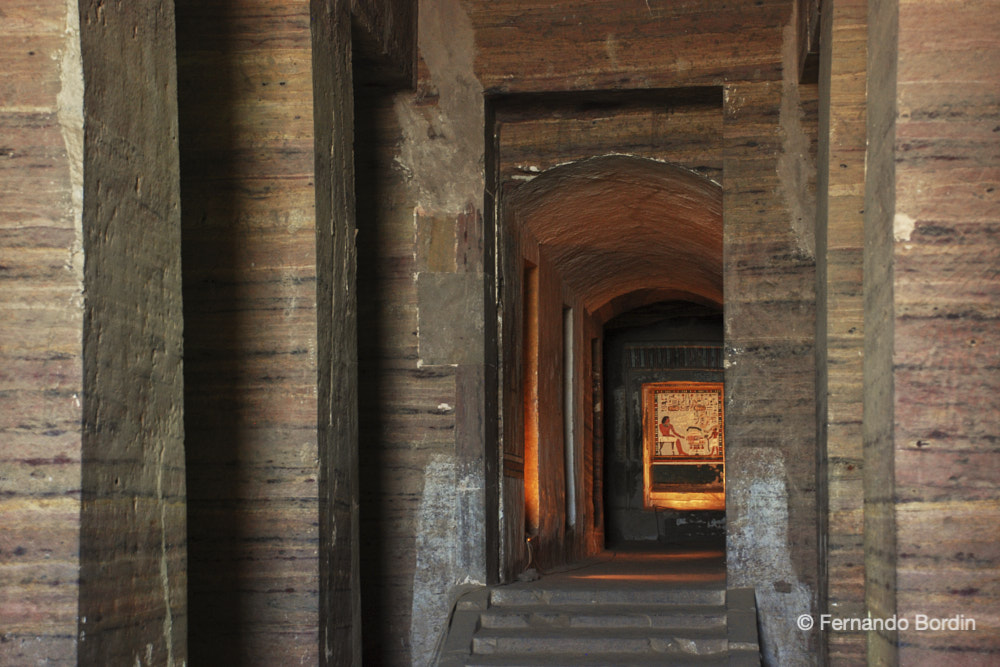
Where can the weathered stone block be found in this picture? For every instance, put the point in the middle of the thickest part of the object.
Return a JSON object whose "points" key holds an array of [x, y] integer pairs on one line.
{"points": [[450, 322]]}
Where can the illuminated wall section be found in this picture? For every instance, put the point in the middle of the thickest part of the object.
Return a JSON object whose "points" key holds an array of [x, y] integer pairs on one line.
{"points": [[530, 394]]}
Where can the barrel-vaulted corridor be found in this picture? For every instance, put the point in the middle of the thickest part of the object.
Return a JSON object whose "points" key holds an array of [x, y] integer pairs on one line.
{"points": [[580, 244]]}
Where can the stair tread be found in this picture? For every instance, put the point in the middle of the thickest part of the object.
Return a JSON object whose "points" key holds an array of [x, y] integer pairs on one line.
{"points": [[641, 641], [548, 631], [510, 596], [591, 660], [625, 608], [604, 617]]}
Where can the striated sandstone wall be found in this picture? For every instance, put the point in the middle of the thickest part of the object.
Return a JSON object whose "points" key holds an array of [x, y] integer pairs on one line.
{"points": [[946, 290], [41, 346]]}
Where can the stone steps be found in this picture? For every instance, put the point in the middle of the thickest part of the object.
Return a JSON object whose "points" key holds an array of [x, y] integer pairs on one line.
{"points": [[518, 625], [670, 617], [509, 595], [582, 641], [602, 659]]}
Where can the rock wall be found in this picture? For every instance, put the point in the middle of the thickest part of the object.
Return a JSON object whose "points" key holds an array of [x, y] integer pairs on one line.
{"points": [[946, 290], [41, 347], [422, 286], [266, 111]]}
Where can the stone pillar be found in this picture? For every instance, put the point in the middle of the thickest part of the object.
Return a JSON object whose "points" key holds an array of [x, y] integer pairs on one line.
{"points": [[267, 134], [100, 580], [337, 346], [133, 533], [769, 276], [422, 382], [132, 527]]}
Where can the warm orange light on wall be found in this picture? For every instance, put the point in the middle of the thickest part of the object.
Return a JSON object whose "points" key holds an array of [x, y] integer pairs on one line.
{"points": [[529, 390]]}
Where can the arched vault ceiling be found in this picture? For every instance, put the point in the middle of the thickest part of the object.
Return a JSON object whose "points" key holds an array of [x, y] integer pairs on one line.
{"points": [[618, 225]]}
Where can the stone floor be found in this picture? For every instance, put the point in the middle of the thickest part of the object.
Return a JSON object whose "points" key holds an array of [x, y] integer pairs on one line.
{"points": [[640, 564]]}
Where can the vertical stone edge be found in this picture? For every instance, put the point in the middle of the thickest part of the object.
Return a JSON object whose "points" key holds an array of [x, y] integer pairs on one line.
{"points": [[492, 331], [333, 109], [822, 304], [840, 329], [132, 602], [877, 423]]}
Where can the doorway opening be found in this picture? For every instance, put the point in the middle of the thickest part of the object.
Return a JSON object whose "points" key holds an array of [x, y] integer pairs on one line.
{"points": [[599, 262], [664, 425]]}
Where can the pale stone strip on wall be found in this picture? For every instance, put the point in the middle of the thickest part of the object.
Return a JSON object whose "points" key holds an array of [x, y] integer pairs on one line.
{"points": [[877, 425], [840, 331]]}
